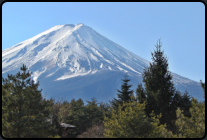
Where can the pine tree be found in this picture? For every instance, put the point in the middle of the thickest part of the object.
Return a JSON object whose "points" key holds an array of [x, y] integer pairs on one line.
{"points": [[158, 85], [193, 127], [84, 117], [6, 126], [133, 123], [159, 91], [24, 111], [78, 117], [183, 101], [106, 109], [124, 95], [93, 112]]}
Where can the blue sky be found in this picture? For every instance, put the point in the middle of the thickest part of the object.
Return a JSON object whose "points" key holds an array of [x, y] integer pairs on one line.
{"points": [[135, 26]]}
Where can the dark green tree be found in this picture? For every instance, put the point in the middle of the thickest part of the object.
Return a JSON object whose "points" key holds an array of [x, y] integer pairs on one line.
{"points": [[106, 109], [183, 101], [77, 117], [6, 93], [140, 94], [85, 117], [159, 92], [158, 84], [94, 112], [124, 95], [24, 111]]}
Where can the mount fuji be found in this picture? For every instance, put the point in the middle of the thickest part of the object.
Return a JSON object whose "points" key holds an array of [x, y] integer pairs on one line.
{"points": [[74, 61]]}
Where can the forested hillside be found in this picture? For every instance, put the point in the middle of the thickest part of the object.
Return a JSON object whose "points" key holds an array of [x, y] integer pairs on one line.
{"points": [[155, 110]]}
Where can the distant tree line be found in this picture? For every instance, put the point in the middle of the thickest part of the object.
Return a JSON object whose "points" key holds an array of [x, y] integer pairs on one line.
{"points": [[156, 110]]}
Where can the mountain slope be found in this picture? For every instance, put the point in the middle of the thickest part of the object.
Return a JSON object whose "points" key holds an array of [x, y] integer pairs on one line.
{"points": [[74, 61]]}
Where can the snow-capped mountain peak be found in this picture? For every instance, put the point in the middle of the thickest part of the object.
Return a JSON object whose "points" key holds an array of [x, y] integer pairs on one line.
{"points": [[76, 48], [68, 51]]}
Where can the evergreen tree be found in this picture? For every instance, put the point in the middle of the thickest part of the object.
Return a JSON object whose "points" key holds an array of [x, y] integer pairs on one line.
{"points": [[106, 110], [124, 94], [193, 127], [24, 111], [159, 92], [158, 85], [94, 112], [85, 117], [6, 93], [133, 123], [140, 94], [183, 101], [77, 117]]}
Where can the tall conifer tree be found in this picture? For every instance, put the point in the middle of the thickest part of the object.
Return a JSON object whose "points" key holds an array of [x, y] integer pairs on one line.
{"points": [[124, 95], [24, 111], [159, 92], [159, 87]]}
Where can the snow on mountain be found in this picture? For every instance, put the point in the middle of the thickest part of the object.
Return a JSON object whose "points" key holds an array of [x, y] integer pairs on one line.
{"points": [[77, 57]]}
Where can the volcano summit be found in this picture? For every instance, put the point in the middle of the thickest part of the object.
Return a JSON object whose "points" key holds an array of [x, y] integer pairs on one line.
{"points": [[74, 61]]}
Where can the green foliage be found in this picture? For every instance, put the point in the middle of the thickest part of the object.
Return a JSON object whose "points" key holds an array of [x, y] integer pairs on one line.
{"points": [[185, 104], [24, 111], [124, 94], [94, 112], [183, 101], [76, 117], [6, 126], [159, 88], [159, 91], [158, 108], [133, 122], [140, 94], [106, 110], [84, 117], [193, 127]]}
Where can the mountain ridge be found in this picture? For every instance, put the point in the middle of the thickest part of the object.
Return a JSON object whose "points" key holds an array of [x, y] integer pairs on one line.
{"points": [[70, 51]]}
